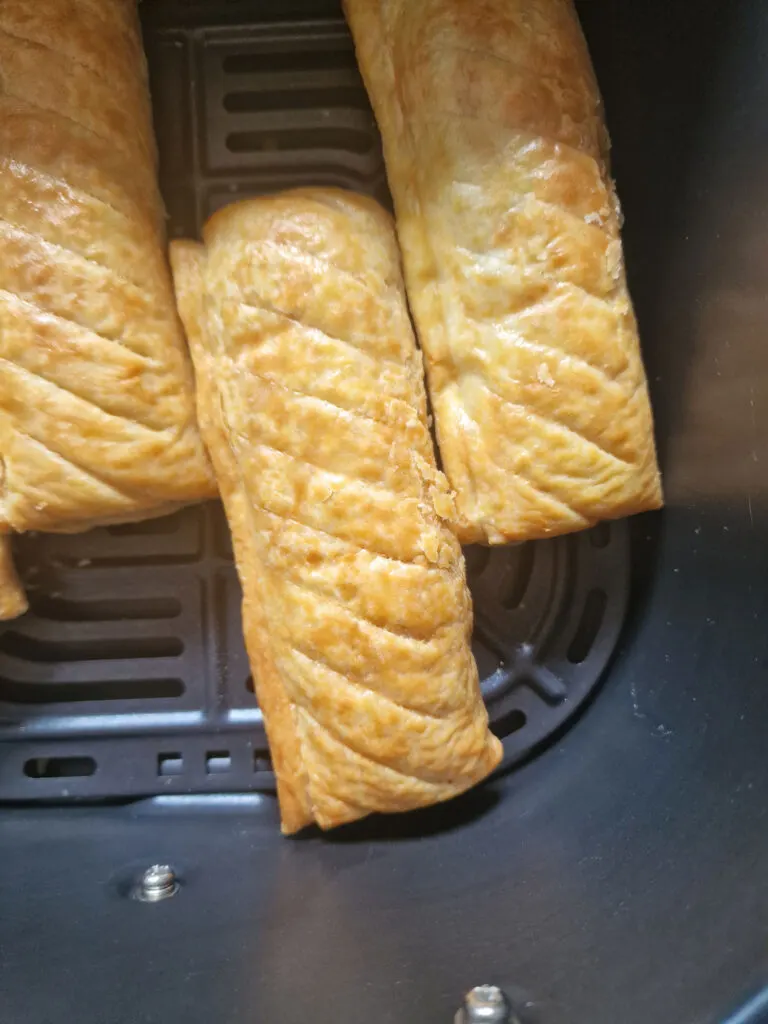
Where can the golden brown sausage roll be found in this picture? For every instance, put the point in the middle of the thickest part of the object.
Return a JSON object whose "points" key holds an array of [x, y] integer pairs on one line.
{"points": [[97, 416], [497, 157], [356, 613]]}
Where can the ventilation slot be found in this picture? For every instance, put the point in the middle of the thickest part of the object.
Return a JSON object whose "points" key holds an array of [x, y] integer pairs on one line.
{"points": [[305, 138], [477, 558], [600, 535], [212, 8], [217, 762], [589, 626], [519, 577], [162, 527], [291, 60], [56, 609], [512, 721], [281, 112], [56, 651], [59, 767], [290, 99], [170, 764], [65, 693]]}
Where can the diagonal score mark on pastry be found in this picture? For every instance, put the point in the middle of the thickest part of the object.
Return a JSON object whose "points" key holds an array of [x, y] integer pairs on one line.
{"points": [[97, 409], [497, 159], [356, 612]]}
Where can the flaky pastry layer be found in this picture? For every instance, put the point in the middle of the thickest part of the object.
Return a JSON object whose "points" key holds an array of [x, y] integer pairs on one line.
{"points": [[497, 158], [356, 613]]}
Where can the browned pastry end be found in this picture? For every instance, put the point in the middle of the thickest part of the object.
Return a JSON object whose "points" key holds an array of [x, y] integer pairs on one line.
{"points": [[97, 413], [497, 157], [356, 612], [13, 600]]}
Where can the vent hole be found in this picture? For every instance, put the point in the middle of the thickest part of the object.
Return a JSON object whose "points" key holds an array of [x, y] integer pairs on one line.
{"points": [[600, 535], [290, 60], [161, 527], [108, 610], [345, 139], [170, 764], [61, 693], [477, 558], [261, 763], [296, 99], [56, 651], [512, 721], [249, 685], [218, 762], [591, 620], [59, 767], [519, 577]]}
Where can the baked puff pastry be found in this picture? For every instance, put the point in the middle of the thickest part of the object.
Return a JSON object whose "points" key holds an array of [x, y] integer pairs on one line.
{"points": [[97, 412], [497, 157], [13, 600], [356, 612]]}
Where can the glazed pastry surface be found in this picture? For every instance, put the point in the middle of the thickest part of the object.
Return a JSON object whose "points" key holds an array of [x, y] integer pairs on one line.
{"points": [[497, 158], [356, 613], [97, 414]]}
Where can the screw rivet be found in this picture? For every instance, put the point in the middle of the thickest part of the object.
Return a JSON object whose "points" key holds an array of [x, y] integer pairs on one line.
{"points": [[157, 883], [486, 1004]]}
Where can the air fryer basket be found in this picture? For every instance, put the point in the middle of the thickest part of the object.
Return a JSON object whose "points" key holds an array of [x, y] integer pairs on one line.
{"points": [[129, 676], [614, 877]]}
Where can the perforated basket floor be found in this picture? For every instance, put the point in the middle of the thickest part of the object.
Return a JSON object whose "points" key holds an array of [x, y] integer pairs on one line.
{"points": [[128, 677]]}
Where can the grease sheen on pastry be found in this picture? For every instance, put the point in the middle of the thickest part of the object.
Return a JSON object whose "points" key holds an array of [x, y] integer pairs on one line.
{"points": [[97, 417], [497, 158], [356, 613]]}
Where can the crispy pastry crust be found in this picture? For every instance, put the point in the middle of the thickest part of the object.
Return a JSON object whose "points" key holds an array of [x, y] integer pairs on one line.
{"points": [[356, 613], [13, 600], [497, 158], [97, 417]]}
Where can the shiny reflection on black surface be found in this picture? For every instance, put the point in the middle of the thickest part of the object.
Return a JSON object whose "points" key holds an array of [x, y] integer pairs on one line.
{"points": [[658, 64]]}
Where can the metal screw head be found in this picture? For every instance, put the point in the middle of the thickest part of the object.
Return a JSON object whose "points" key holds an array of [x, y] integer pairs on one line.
{"points": [[157, 883], [486, 1004]]}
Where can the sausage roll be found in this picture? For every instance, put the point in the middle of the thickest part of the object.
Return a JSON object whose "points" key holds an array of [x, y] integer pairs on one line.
{"points": [[356, 612], [497, 157], [97, 412]]}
